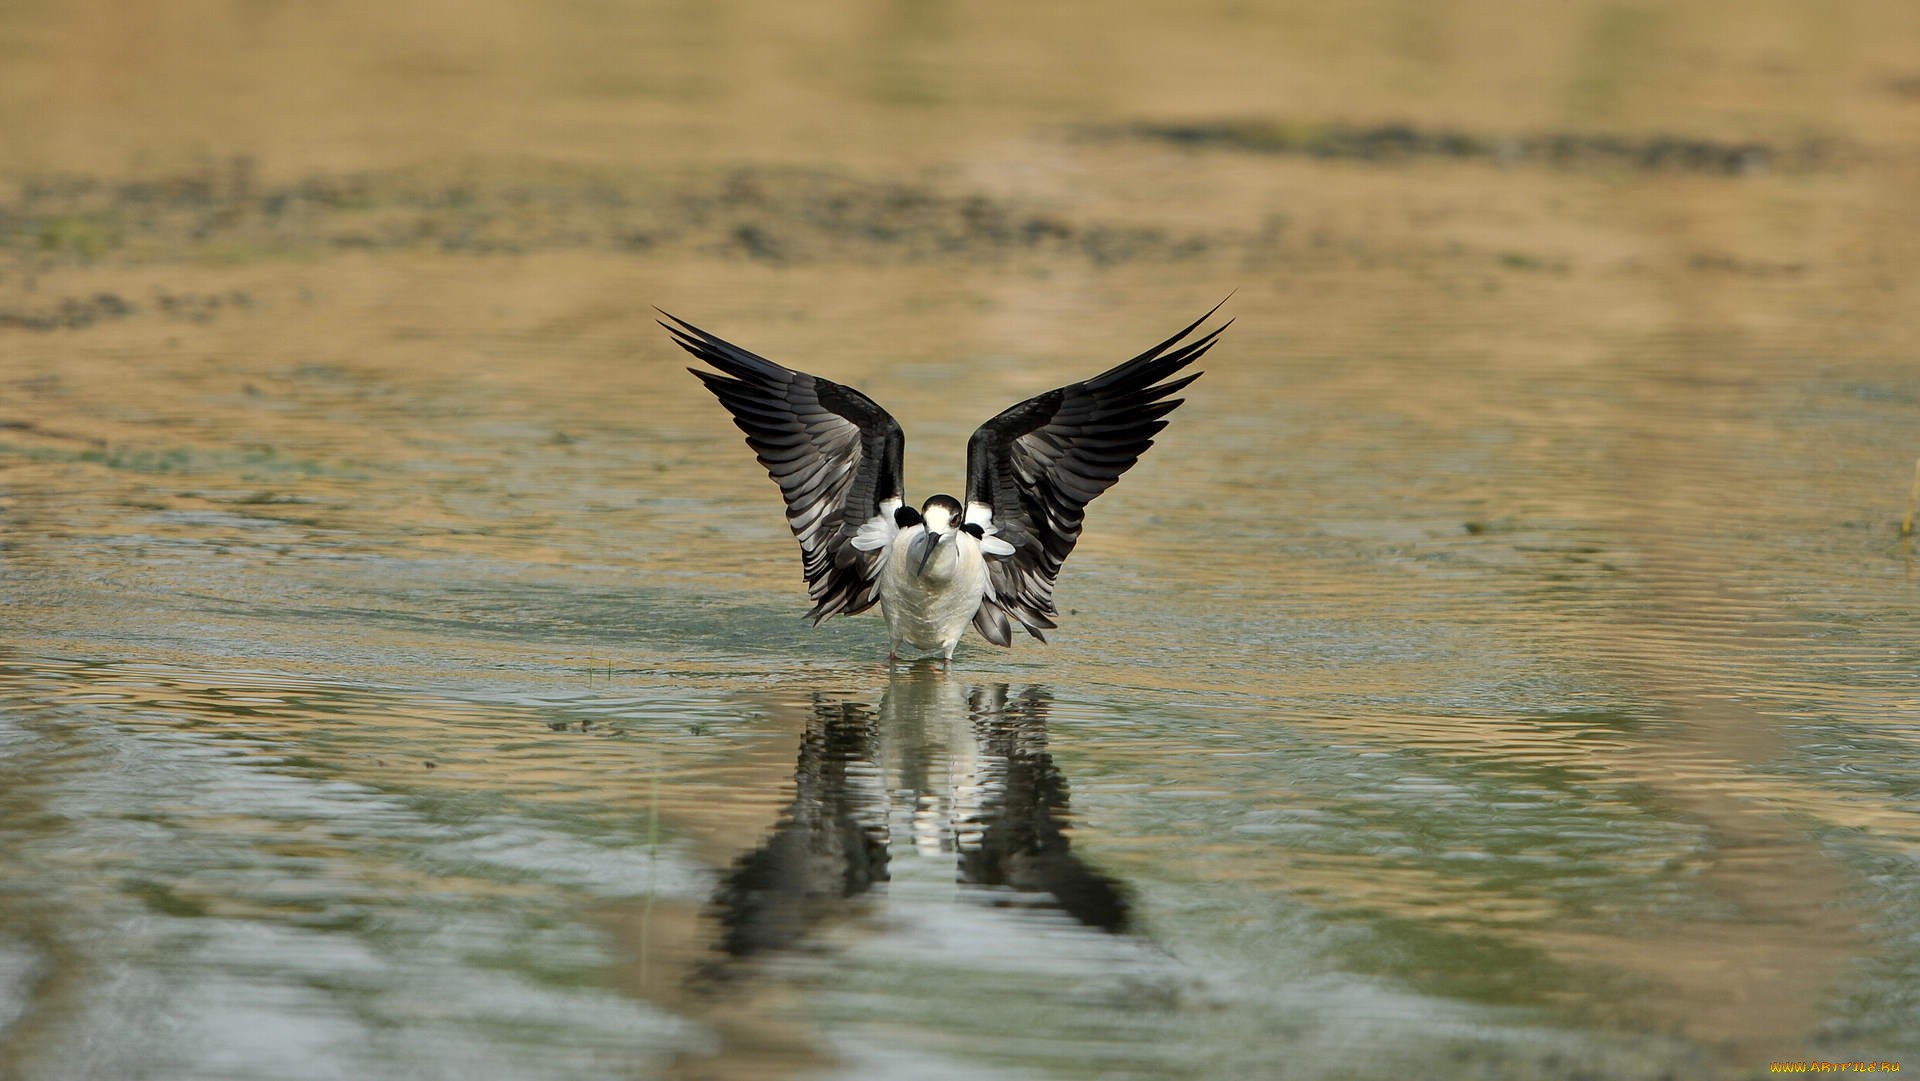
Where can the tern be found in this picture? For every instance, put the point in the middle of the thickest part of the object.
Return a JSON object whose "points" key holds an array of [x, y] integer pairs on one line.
{"points": [[990, 561]]}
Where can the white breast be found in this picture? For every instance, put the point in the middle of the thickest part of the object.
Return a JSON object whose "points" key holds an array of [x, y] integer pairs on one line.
{"points": [[931, 610]]}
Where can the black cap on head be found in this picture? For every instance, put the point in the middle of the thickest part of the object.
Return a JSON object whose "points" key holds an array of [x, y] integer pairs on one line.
{"points": [[945, 502]]}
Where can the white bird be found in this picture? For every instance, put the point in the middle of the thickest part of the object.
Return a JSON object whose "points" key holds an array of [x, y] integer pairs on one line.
{"points": [[1031, 471]]}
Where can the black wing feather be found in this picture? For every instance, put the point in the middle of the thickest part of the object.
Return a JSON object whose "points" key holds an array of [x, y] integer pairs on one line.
{"points": [[1039, 464], [835, 454]]}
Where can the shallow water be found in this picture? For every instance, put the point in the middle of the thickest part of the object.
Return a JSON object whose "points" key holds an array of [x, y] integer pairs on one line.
{"points": [[1504, 666]]}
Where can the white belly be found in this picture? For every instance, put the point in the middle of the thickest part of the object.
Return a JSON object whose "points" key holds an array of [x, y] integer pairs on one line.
{"points": [[931, 610]]}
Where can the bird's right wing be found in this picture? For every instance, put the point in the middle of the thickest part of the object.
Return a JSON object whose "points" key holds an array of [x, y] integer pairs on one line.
{"points": [[835, 454]]}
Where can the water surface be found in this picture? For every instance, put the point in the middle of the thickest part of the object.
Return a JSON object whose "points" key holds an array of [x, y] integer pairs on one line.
{"points": [[1505, 665]]}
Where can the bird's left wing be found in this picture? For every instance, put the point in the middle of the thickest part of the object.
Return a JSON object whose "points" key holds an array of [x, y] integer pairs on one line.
{"points": [[835, 454], [1032, 470]]}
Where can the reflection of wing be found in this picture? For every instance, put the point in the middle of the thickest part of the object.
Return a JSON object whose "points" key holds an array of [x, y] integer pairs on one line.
{"points": [[835, 454], [1032, 470], [1023, 840], [830, 845]]}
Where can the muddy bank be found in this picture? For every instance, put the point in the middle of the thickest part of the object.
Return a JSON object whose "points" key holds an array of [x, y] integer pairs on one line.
{"points": [[222, 217], [776, 215], [1564, 150]]}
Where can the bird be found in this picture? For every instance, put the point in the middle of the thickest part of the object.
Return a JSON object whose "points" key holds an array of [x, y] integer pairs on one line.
{"points": [[989, 562]]}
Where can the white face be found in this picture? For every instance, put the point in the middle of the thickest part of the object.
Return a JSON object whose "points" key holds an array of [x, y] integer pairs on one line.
{"points": [[939, 520]]}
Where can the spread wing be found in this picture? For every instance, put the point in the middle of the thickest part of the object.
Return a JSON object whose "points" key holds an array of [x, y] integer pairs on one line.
{"points": [[834, 453], [1032, 470]]}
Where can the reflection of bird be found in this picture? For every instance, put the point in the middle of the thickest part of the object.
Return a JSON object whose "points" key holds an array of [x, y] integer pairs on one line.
{"points": [[1031, 471], [938, 772]]}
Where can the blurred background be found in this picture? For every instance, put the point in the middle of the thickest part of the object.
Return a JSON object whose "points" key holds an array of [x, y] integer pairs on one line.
{"points": [[1505, 665]]}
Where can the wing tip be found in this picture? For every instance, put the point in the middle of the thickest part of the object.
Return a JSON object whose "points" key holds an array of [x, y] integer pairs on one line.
{"points": [[1195, 325]]}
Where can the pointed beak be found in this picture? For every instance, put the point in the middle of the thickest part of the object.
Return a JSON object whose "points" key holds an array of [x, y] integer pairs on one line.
{"points": [[933, 545]]}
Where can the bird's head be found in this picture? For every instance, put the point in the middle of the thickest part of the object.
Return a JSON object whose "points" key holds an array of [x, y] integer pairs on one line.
{"points": [[940, 514]]}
